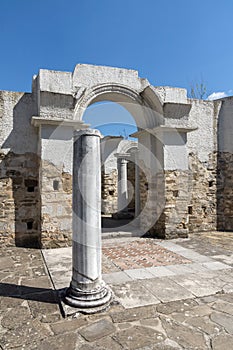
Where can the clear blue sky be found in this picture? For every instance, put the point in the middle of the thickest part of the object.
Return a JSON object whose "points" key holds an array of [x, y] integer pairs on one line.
{"points": [[170, 42], [110, 118]]}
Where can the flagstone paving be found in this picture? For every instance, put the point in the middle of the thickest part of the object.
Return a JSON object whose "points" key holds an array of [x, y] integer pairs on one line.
{"points": [[183, 301]]}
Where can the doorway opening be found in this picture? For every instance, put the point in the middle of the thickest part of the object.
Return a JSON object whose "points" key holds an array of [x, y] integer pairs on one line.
{"points": [[118, 152]]}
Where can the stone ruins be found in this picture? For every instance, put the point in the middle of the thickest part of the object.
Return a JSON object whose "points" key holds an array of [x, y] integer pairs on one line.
{"points": [[176, 179]]}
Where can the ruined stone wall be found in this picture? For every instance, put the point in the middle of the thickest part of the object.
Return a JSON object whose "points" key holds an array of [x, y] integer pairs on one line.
{"points": [[173, 219], [143, 188], [36, 196], [7, 212], [35, 208], [19, 171], [109, 192], [190, 200], [147, 203], [19, 200], [225, 166], [56, 209], [131, 185], [202, 187], [225, 191]]}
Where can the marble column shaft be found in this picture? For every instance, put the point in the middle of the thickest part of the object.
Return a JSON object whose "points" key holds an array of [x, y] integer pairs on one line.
{"points": [[87, 290], [122, 184]]}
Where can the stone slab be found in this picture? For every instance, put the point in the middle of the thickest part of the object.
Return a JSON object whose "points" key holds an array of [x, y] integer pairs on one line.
{"points": [[135, 314], [176, 306], [97, 330], [69, 325], [58, 258], [167, 290], [139, 274], [198, 287], [6, 263], [222, 341], [226, 259], [133, 294], [196, 257], [228, 288], [59, 342], [197, 268], [116, 277], [187, 337], [180, 269], [223, 306], [160, 271], [101, 344], [172, 246], [216, 265], [224, 320], [226, 275], [61, 279], [139, 337]]}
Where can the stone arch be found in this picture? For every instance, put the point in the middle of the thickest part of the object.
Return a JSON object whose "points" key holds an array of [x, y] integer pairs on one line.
{"points": [[136, 95], [126, 147], [146, 111]]}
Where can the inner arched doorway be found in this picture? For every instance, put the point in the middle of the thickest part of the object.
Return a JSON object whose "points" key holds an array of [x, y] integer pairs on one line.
{"points": [[146, 113], [116, 125]]}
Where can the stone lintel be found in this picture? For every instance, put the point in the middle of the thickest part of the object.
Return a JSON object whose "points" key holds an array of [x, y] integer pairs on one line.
{"points": [[87, 75], [76, 124], [126, 156], [167, 128], [164, 128], [176, 110]]}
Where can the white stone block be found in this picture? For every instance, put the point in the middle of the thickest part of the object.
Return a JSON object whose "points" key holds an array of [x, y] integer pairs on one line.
{"points": [[86, 75], [55, 81]]}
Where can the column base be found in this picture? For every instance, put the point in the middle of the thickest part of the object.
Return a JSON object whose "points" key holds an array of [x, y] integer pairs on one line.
{"points": [[88, 302]]}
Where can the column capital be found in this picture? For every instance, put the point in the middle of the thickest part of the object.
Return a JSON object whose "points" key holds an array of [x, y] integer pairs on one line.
{"points": [[123, 156], [87, 132], [38, 121]]}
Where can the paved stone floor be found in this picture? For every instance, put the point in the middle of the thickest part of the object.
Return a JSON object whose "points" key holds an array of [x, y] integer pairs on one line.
{"points": [[168, 295]]}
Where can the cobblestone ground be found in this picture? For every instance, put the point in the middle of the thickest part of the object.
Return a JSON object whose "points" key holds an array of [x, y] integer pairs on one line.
{"points": [[31, 317]]}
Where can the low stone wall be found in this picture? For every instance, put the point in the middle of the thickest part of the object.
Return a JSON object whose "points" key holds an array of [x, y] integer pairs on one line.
{"points": [[19, 200], [225, 191]]}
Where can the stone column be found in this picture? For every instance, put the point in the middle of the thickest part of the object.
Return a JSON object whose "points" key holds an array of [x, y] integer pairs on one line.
{"points": [[122, 184], [87, 290]]}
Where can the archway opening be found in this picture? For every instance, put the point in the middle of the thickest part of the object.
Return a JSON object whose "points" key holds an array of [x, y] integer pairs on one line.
{"points": [[110, 118], [116, 124]]}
